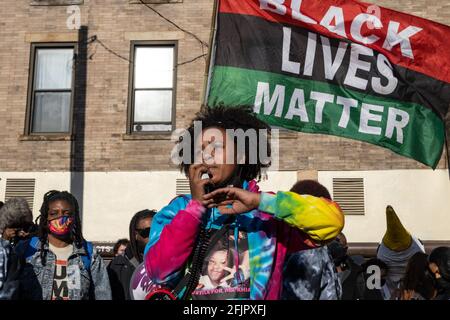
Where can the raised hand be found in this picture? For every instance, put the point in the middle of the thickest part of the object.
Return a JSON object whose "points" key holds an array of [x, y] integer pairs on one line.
{"points": [[240, 200], [196, 183]]}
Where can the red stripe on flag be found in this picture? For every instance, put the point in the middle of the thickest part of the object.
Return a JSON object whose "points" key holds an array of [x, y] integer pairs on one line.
{"points": [[428, 46]]}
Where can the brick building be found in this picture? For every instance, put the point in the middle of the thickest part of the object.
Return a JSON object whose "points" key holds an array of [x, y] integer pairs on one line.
{"points": [[104, 145]]}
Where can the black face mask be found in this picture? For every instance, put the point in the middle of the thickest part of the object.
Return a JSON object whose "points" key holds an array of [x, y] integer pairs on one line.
{"points": [[338, 252], [442, 284]]}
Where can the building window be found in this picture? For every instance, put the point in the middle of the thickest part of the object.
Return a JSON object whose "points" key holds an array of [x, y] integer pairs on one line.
{"points": [[155, 1], [51, 89], [56, 2], [152, 94]]}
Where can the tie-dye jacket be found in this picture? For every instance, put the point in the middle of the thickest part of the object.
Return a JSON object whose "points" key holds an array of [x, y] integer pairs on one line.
{"points": [[283, 223]]}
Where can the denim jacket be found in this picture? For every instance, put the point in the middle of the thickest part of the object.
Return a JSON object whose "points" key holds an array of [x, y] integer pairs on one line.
{"points": [[4, 254], [37, 280]]}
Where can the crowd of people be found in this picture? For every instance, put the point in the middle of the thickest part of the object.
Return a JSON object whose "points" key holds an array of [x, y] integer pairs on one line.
{"points": [[224, 240]]}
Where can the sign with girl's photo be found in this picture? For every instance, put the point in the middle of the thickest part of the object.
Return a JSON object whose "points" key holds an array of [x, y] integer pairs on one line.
{"points": [[226, 269]]}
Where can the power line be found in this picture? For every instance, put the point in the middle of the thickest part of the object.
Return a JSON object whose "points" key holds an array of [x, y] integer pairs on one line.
{"points": [[174, 24], [192, 60], [94, 38], [110, 50]]}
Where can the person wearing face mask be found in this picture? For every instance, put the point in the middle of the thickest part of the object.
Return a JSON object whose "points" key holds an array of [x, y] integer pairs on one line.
{"points": [[16, 223], [122, 267], [349, 272], [439, 265], [311, 274], [60, 263]]}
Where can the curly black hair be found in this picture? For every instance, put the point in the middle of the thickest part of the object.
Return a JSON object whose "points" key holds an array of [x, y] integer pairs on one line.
{"points": [[441, 257], [233, 117], [76, 234], [311, 187]]}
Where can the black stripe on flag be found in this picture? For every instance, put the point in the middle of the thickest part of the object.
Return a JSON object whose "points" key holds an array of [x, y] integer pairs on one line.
{"points": [[254, 43]]}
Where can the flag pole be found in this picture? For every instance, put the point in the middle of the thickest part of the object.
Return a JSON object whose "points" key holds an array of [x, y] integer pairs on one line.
{"points": [[210, 59], [448, 157], [447, 136]]}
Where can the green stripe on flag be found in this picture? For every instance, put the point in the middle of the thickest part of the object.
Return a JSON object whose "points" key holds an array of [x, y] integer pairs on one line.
{"points": [[409, 129]]}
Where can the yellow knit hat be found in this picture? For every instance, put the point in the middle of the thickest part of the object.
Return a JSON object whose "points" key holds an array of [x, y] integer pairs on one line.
{"points": [[396, 237]]}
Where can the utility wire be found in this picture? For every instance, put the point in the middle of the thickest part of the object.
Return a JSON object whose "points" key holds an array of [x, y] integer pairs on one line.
{"points": [[174, 24], [192, 60], [109, 50], [94, 38]]}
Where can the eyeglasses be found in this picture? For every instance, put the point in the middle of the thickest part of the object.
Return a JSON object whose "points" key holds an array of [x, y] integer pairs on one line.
{"points": [[144, 233]]}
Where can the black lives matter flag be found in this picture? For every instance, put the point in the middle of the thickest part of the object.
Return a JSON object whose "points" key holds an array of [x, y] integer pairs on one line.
{"points": [[343, 68]]}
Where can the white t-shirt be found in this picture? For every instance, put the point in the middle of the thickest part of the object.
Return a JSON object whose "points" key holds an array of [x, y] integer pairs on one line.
{"points": [[60, 290]]}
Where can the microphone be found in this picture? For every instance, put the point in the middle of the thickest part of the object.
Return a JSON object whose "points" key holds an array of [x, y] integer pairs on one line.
{"points": [[205, 175], [208, 187]]}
